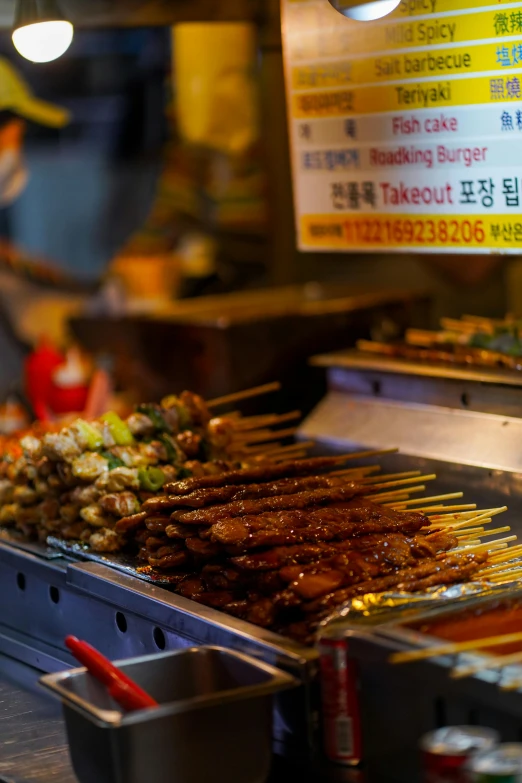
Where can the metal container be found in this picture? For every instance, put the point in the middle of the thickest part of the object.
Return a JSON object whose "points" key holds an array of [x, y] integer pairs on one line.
{"points": [[215, 713]]}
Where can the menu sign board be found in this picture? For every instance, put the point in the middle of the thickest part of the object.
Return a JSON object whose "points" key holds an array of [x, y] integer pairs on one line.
{"points": [[406, 133]]}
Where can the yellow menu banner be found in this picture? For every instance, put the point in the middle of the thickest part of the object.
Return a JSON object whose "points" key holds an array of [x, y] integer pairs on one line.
{"points": [[406, 132]]}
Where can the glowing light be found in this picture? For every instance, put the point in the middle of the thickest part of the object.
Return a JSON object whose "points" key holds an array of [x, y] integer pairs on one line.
{"points": [[42, 42], [366, 12]]}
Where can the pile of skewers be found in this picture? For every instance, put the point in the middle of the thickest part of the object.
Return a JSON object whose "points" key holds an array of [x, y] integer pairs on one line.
{"points": [[229, 516], [471, 340], [283, 545], [76, 483]]}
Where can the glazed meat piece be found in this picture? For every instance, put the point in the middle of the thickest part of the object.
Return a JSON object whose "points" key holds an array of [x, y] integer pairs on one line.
{"points": [[242, 508], [196, 408], [177, 530], [167, 562], [220, 433], [190, 443], [157, 524], [118, 479], [69, 512], [154, 452], [203, 549], [209, 497], [94, 515], [449, 569], [270, 472], [84, 496], [89, 465], [120, 504], [130, 523], [281, 556], [105, 540], [24, 495], [6, 491], [32, 446], [61, 446], [325, 524], [141, 425]]}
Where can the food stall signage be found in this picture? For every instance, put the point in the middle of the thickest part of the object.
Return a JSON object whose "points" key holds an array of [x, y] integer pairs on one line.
{"points": [[406, 133]]}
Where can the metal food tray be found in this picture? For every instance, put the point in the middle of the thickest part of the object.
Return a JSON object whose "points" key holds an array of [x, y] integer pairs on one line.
{"points": [[45, 596]]}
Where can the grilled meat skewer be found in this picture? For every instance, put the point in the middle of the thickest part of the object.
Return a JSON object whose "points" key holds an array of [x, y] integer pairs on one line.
{"points": [[288, 469], [211, 496], [242, 508]]}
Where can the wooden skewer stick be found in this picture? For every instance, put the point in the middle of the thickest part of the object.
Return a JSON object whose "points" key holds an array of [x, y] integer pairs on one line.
{"points": [[399, 494], [283, 457], [484, 517], [265, 435], [472, 532], [256, 391], [347, 472], [466, 523], [302, 444], [261, 449], [504, 566], [453, 648], [395, 504], [514, 551], [510, 576], [497, 531], [500, 544], [454, 517], [449, 511], [415, 501], [247, 437], [497, 662], [505, 570], [391, 476], [271, 419], [403, 482]]}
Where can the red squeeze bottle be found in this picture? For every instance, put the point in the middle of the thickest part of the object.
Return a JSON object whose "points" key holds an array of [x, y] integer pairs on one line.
{"points": [[125, 691], [69, 388], [39, 368]]}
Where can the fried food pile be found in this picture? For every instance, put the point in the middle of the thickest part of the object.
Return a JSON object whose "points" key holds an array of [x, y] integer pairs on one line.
{"points": [[78, 482], [282, 545]]}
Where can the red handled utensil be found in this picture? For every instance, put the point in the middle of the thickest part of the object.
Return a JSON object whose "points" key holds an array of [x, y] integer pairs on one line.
{"points": [[123, 690]]}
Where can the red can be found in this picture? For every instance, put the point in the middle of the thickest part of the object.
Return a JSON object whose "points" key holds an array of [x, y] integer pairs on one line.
{"points": [[340, 703], [446, 752]]}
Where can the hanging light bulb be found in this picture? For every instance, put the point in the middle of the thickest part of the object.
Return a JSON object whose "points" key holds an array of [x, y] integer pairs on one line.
{"points": [[365, 11], [40, 32]]}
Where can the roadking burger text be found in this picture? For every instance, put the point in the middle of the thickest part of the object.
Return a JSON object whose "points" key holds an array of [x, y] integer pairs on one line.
{"points": [[411, 155]]}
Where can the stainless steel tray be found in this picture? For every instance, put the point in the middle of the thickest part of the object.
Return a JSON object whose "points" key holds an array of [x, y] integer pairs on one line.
{"points": [[42, 600], [212, 704]]}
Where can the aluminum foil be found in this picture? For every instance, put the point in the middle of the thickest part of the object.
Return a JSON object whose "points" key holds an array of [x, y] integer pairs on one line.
{"points": [[377, 608]]}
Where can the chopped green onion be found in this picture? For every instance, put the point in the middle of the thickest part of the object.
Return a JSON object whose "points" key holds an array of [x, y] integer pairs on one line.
{"points": [[118, 429], [151, 479]]}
